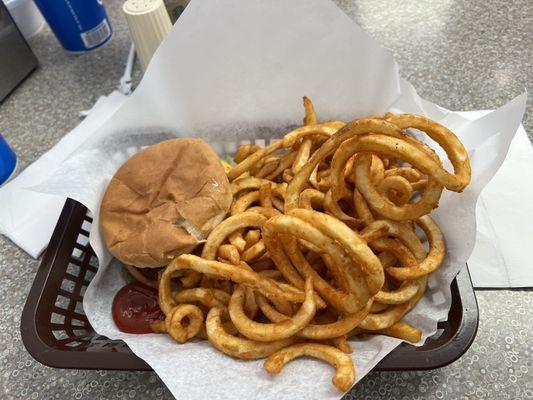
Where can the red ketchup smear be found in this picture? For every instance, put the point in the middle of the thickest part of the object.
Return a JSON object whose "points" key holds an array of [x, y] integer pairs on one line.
{"points": [[135, 306]]}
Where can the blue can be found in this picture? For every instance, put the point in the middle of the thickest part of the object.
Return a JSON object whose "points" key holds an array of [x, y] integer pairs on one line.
{"points": [[79, 25], [8, 161]]}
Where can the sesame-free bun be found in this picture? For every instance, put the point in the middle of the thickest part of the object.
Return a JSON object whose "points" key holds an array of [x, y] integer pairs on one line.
{"points": [[163, 202]]}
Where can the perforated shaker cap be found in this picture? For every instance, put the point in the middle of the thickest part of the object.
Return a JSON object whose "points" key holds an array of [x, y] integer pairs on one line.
{"points": [[149, 23]]}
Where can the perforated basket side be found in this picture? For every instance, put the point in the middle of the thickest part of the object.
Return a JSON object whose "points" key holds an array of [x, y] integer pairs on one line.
{"points": [[54, 327], [452, 339]]}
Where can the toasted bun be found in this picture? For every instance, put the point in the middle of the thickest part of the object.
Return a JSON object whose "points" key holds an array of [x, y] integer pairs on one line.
{"points": [[164, 201]]}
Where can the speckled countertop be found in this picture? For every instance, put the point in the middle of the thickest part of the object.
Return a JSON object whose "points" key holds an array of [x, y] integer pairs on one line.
{"points": [[463, 55]]}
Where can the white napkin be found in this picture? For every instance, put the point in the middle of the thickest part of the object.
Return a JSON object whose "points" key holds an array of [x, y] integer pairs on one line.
{"points": [[505, 221], [28, 218]]}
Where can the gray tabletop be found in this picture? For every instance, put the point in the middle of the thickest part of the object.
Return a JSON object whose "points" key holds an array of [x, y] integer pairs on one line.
{"points": [[461, 54]]}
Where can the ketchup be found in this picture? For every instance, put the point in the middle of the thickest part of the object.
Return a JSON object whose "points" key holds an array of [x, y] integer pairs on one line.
{"points": [[135, 307]]}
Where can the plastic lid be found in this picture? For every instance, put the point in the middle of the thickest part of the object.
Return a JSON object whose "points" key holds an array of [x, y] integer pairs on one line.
{"points": [[141, 6]]}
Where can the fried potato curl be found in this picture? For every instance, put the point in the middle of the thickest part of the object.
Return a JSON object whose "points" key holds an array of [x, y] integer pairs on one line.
{"points": [[329, 238]]}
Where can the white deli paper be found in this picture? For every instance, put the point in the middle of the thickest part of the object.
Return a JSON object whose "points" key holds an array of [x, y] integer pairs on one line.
{"points": [[234, 70], [504, 220]]}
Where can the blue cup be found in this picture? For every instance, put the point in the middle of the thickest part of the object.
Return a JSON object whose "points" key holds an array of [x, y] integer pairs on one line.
{"points": [[79, 25], [8, 161]]}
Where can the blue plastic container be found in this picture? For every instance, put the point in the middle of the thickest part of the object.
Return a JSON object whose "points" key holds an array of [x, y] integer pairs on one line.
{"points": [[8, 161], [79, 25]]}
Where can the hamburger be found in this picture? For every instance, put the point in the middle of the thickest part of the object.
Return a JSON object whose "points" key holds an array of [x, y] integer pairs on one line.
{"points": [[163, 202]]}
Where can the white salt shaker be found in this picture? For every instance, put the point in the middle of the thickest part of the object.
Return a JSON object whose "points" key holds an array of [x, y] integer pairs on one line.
{"points": [[149, 23]]}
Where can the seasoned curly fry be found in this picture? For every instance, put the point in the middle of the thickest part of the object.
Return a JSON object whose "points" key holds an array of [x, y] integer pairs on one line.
{"points": [[174, 322], [158, 326], [378, 307], [312, 199], [344, 376], [377, 170], [190, 279], [387, 259], [281, 260], [267, 168], [404, 293], [285, 162], [287, 175], [428, 201], [453, 147], [253, 252], [252, 237], [397, 189], [272, 331], [320, 244], [355, 247], [237, 347], [326, 129], [244, 202], [236, 239], [266, 286], [254, 158], [401, 330], [248, 183], [302, 155], [289, 225], [397, 230], [400, 251], [310, 114], [265, 195], [358, 127], [318, 331], [304, 150], [267, 212], [226, 227], [332, 207], [342, 344], [437, 250], [206, 296], [278, 204], [350, 294], [361, 208], [230, 253], [392, 315], [415, 177], [244, 151]]}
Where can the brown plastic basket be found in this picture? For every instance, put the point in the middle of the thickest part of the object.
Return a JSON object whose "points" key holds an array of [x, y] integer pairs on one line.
{"points": [[56, 332]]}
